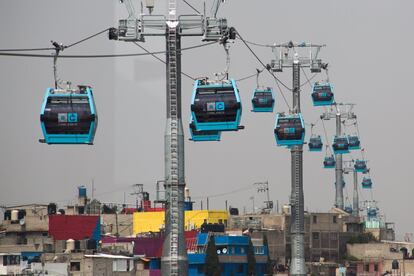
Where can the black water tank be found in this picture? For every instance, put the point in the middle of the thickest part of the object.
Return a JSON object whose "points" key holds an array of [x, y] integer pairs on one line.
{"points": [[212, 227], [51, 209], [234, 211], [7, 215], [21, 214], [77, 245], [91, 244], [81, 210], [62, 211], [395, 265]]}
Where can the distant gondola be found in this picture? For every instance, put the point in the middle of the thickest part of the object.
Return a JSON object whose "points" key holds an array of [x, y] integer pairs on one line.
{"points": [[315, 143], [340, 145], [329, 162], [68, 116], [289, 130], [366, 183], [354, 142], [322, 94], [263, 100], [216, 105], [360, 166]]}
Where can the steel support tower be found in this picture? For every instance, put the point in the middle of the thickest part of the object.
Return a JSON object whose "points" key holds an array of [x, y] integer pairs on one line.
{"points": [[297, 218], [342, 111], [297, 224], [348, 167], [134, 29], [355, 195]]}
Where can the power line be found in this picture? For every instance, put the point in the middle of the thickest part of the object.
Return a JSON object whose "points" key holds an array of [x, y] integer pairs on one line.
{"points": [[103, 56]]}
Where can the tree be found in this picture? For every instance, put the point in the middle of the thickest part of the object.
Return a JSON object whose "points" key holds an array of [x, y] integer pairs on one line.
{"points": [[212, 264], [251, 259]]}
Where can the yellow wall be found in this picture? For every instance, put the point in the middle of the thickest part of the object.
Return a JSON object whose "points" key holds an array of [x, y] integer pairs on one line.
{"points": [[153, 221]]}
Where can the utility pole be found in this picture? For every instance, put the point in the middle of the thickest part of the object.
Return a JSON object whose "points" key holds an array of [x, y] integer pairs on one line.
{"points": [[342, 111], [172, 27], [264, 187], [297, 219]]}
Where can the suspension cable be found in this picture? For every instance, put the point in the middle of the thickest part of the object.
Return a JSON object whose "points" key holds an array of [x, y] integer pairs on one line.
{"points": [[103, 56], [53, 48], [326, 137], [161, 60]]}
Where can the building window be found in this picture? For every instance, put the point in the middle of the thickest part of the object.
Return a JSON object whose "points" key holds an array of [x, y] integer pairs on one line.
{"points": [[220, 221], [315, 235], [74, 266], [225, 222], [334, 220], [242, 250], [315, 219], [258, 250], [366, 268], [375, 267]]}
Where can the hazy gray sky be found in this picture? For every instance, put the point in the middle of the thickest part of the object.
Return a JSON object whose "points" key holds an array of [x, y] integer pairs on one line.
{"points": [[368, 49]]}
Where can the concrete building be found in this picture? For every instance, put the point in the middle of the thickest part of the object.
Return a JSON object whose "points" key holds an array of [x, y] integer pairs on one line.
{"points": [[144, 222], [326, 234]]}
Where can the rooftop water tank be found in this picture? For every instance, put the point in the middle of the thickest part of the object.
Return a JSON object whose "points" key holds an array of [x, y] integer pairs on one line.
{"points": [[82, 191], [14, 215], [70, 245]]}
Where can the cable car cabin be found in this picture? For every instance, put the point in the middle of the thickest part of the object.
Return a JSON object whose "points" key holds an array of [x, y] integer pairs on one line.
{"points": [[68, 116], [203, 135], [340, 145], [289, 130], [322, 94], [372, 212], [360, 166], [348, 209], [329, 162], [263, 100], [354, 142], [366, 183], [216, 106], [315, 143]]}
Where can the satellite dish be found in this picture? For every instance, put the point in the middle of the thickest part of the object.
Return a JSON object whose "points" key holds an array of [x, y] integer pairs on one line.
{"points": [[224, 250], [218, 251], [22, 222]]}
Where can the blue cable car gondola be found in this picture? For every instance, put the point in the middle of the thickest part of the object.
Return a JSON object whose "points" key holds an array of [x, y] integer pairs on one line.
{"points": [[203, 135], [340, 145], [289, 130], [263, 100], [329, 162], [315, 143], [360, 166], [68, 116], [322, 94], [216, 106], [354, 142], [366, 183]]}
